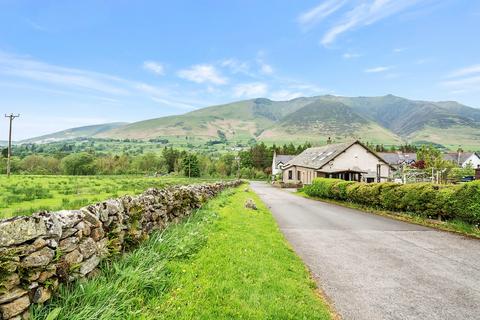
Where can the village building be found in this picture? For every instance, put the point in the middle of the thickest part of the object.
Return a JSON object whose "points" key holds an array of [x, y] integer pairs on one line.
{"points": [[278, 161], [399, 159], [463, 159], [351, 161]]}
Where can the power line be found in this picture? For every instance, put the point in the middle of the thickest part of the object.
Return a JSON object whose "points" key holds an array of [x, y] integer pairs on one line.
{"points": [[11, 116]]}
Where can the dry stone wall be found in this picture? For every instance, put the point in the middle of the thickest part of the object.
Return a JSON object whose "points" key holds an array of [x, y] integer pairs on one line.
{"points": [[40, 251]]}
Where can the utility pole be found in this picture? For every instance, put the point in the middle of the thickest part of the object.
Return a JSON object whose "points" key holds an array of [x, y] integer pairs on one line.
{"points": [[11, 116]]}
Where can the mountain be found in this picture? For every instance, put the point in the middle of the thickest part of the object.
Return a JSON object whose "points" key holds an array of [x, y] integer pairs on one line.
{"points": [[386, 119], [80, 132]]}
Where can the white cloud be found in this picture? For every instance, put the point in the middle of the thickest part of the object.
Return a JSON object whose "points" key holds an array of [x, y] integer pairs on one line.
{"points": [[316, 14], [27, 68], [465, 71], [202, 73], [266, 68], [398, 50], [378, 69], [366, 12], [464, 80], [283, 95], [250, 90], [155, 67], [351, 55], [236, 66]]}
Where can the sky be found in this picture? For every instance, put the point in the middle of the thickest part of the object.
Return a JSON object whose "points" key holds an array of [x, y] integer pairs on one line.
{"points": [[68, 63]]}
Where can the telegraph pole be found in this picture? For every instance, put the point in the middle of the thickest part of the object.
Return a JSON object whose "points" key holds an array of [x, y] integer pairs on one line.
{"points": [[11, 116]]}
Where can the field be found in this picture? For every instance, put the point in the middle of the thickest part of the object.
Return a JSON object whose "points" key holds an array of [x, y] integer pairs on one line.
{"points": [[223, 262], [24, 195]]}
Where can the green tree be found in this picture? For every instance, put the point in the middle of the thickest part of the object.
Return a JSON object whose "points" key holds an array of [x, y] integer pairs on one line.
{"points": [[191, 167], [79, 164]]}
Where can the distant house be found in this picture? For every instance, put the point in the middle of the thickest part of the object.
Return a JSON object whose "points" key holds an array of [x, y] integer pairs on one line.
{"points": [[463, 159], [398, 159], [278, 161], [351, 161]]}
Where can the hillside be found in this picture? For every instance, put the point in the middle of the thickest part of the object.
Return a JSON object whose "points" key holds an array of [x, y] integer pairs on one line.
{"points": [[386, 119], [79, 132]]}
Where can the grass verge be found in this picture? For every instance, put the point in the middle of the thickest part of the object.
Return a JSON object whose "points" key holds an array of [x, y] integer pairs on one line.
{"points": [[223, 262], [454, 226]]}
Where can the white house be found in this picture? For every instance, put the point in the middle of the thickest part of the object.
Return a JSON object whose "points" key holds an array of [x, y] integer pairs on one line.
{"points": [[463, 159], [349, 161], [278, 161]]}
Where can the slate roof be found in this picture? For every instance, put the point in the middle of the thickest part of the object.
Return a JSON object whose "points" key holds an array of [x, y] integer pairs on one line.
{"points": [[317, 157], [280, 158], [454, 157], [396, 158]]}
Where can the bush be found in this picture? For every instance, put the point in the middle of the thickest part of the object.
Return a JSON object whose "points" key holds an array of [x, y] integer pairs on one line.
{"points": [[423, 199]]}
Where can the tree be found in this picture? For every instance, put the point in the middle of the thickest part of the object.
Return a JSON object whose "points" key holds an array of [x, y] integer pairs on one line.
{"points": [[191, 166], [432, 158], [79, 164], [171, 156]]}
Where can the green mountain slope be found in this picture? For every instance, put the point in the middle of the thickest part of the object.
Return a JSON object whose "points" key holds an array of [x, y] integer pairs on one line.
{"points": [[79, 132], [386, 119]]}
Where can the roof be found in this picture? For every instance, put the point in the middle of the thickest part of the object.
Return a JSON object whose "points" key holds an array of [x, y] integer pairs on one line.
{"points": [[317, 157], [457, 157], [395, 158], [281, 158]]}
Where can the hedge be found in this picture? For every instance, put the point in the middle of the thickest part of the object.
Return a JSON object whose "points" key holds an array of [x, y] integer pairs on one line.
{"points": [[461, 202]]}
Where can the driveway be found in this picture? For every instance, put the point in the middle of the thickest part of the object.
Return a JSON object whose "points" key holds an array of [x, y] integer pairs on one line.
{"points": [[372, 267]]}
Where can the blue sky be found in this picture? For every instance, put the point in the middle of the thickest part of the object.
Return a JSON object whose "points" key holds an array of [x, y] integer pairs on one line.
{"points": [[73, 63]]}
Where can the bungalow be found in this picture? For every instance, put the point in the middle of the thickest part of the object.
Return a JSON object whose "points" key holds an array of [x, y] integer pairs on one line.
{"points": [[399, 159], [278, 161], [351, 161], [463, 159]]}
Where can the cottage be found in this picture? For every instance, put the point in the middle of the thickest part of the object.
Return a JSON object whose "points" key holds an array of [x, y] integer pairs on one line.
{"points": [[399, 159], [463, 159], [278, 161], [349, 161]]}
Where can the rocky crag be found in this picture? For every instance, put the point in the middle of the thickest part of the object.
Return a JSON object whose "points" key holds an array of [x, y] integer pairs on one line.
{"points": [[39, 252]]}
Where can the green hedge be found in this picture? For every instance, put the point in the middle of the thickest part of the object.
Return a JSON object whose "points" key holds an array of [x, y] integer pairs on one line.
{"points": [[460, 202]]}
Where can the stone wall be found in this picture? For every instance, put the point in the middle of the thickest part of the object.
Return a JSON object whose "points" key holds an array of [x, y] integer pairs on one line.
{"points": [[40, 251]]}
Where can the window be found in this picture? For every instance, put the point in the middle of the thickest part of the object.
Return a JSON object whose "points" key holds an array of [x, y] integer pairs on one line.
{"points": [[370, 180], [290, 174]]}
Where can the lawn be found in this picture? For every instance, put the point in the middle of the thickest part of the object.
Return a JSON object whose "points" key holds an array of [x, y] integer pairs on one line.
{"points": [[23, 195], [224, 262]]}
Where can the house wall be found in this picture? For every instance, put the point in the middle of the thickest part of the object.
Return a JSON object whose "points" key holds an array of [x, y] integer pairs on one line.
{"points": [[474, 160], [306, 174], [358, 156]]}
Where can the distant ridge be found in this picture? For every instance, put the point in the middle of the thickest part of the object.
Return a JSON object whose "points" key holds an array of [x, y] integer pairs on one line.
{"points": [[382, 120]]}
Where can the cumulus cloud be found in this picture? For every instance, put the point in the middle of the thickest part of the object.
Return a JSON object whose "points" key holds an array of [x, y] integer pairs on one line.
{"points": [[250, 90], [203, 73], [154, 67]]}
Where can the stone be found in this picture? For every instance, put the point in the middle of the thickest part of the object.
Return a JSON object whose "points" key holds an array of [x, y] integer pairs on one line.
{"points": [[52, 243], [25, 315], [15, 307], [10, 281], [250, 204], [12, 295], [68, 244], [91, 218], [83, 228], [88, 247], [102, 247], [89, 264], [32, 285], [33, 275], [38, 259], [47, 274], [68, 232], [19, 230], [73, 257], [97, 234], [41, 295]]}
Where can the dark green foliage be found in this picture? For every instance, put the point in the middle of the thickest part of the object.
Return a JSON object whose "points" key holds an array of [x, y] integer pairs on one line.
{"points": [[79, 164], [461, 202], [191, 167]]}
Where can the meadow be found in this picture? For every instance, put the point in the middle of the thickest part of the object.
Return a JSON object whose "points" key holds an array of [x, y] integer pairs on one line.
{"points": [[26, 194]]}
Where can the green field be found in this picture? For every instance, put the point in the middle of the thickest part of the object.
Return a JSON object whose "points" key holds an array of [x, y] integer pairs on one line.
{"points": [[23, 195], [223, 262]]}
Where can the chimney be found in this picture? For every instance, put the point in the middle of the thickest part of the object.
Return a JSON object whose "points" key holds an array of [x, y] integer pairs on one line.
{"points": [[477, 173]]}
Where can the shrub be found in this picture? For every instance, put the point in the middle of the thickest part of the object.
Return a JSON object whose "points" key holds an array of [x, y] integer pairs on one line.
{"points": [[424, 199]]}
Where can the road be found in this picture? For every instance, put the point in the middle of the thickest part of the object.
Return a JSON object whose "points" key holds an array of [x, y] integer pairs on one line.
{"points": [[373, 267]]}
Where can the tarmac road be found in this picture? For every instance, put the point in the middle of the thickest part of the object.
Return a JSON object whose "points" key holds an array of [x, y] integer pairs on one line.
{"points": [[373, 267]]}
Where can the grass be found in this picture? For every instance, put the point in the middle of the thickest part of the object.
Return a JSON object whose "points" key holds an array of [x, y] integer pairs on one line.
{"points": [[223, 262], [455, 226], [23, 195]]}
